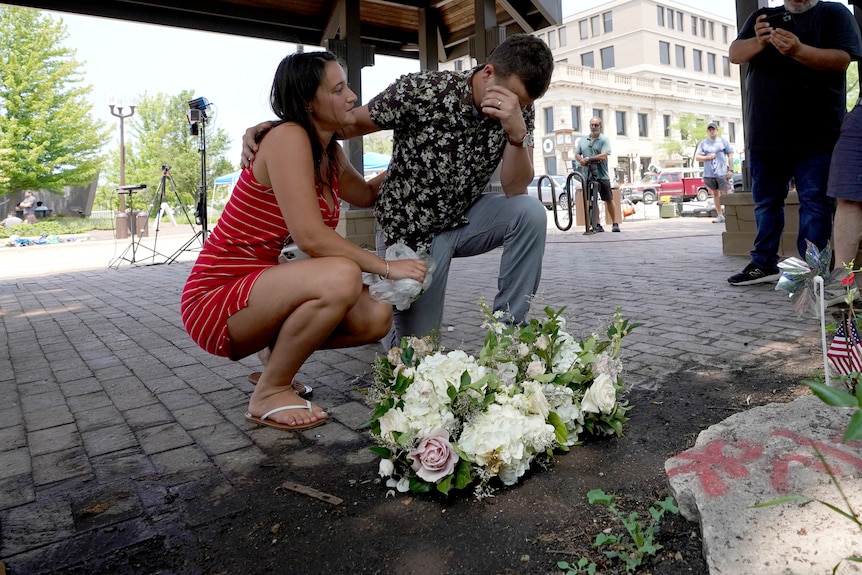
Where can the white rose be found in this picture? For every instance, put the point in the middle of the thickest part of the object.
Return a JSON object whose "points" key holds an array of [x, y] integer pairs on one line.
{"points": [[543, 342], [508, 372], [387, 468], [535, 367], [536, 402], [601, 396], [523, 349], [393, 420]]}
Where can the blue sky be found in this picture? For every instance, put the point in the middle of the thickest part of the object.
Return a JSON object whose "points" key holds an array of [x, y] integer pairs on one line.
{"points": [[234, 73]]}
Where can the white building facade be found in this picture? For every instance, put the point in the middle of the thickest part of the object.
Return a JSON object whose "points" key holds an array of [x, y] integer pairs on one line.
{"points": [[638, 65]]}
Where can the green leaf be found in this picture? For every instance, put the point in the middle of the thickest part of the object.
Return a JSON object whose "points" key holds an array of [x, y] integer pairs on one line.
{"points": [[854, 428], [561, 434], [381, 451], [419, 486], [781, 501], [832, 396], [597, 496], [445, 484], [463, 474]]}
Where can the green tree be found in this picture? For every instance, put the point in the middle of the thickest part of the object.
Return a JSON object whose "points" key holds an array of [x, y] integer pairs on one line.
{"points": [[691, 131], [159, 134], [48, 138]]}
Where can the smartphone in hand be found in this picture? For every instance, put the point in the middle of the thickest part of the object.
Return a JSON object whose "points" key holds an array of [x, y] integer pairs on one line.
{"points": [[783, 20]]}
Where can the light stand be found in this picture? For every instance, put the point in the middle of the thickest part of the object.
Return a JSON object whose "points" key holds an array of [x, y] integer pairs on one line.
{"points": [[197, 117]]}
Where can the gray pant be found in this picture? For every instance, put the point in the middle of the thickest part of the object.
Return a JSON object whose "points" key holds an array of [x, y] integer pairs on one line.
{"points": [[519, 224]]}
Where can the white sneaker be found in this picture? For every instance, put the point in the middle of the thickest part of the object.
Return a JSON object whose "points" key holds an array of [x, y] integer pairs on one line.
{"points": [[718, 220]]}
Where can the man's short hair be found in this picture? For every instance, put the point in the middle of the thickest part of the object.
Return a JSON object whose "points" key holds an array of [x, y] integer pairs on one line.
{"points": [[527, 57]]}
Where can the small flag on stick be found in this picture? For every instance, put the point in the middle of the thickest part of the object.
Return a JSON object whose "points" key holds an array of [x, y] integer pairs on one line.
{"points": [[846, 349]]}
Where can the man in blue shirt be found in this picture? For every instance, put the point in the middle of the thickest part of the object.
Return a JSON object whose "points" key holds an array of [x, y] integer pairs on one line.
{"points": [[717, 157]]}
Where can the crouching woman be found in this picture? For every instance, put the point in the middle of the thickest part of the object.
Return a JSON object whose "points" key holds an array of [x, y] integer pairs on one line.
{"points": [[238, 300]]}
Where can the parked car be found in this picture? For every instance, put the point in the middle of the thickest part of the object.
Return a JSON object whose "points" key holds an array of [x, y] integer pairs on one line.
{"points": [[686, 184], [559, 189]]}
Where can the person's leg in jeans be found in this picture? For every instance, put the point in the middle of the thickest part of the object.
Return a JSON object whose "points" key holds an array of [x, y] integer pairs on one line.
{"points": [[770, 176], [519, 224], [815, 207]]}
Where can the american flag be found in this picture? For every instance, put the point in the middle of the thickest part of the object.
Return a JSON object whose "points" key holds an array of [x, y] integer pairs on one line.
{"points": [[846, 351]]}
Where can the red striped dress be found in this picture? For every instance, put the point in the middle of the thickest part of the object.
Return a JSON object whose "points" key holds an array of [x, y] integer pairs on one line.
{"points": [[246, 242]]}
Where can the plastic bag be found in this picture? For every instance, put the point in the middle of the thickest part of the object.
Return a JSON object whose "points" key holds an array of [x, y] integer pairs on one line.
{"points": [[400, 293]]}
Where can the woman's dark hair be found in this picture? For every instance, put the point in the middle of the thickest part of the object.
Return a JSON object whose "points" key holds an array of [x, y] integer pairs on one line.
{"points": [[295, 84]]}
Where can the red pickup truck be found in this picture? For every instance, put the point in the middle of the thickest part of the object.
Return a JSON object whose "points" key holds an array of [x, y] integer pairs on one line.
{"points": [[673, 182]]}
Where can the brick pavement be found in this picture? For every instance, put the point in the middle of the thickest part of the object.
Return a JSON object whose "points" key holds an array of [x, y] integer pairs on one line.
{"points": [[106, 398]]}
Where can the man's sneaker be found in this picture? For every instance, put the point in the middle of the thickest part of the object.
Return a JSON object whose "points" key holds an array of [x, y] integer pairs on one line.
{"points": [[616, 228], [718, 220], [599, 228], [754, 275]]}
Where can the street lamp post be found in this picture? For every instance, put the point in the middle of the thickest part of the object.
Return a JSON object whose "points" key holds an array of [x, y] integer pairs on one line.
{"points": [[565, 142], [117, 105]]}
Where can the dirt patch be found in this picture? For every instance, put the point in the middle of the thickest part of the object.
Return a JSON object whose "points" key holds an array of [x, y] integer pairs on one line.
{"points": [[523, 530]]}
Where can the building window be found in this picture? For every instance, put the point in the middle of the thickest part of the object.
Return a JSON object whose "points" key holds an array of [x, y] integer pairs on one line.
{"points": [[697, 60], [660, 15], [576, 118], [724, 32], [608, 18], [596, 25], [549, 120], [702, 28], [679, 21], [607, 55], [552, 41], [562, 36], [666, 125], [725, 66], [551, 165], [731, 131], [710, 63], [680, 56], [621, 123], [694, 25], [664, 52], [585, 29], [599, 113], [588, 60], [670, 18], [711, 30], [643, 125]]}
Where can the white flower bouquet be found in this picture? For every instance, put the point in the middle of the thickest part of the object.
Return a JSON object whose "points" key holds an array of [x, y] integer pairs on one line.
{"points": [[448, 420]]}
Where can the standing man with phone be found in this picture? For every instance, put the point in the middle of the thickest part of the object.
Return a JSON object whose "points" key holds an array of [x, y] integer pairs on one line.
{"points": [[796, 100]]}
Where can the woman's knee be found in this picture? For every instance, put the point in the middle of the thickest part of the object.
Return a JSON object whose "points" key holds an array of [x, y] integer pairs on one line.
{"points": [[343, 278]]}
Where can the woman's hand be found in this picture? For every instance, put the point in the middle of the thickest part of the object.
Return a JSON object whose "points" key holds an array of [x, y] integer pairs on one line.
{"points": [[407, 269], [249, 142]]}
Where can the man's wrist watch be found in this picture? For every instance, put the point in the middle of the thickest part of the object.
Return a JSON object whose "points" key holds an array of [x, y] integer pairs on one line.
{"points": [[526, 141]]}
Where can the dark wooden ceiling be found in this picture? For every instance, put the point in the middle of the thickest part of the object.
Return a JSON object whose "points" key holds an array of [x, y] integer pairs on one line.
{"points": [[391, 26]]}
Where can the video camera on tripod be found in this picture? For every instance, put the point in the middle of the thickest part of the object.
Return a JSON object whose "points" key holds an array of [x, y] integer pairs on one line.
{"points": [[197, 114]]}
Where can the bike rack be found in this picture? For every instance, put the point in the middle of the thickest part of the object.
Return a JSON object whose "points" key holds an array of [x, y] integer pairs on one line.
{"points": [[567, 190]]}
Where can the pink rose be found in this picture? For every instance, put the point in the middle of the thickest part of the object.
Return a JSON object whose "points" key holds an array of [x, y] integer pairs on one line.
{"points": [[434, 458]]}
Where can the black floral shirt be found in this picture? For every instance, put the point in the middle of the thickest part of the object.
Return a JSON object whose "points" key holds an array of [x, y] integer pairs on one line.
{"points": [[445, 153]]}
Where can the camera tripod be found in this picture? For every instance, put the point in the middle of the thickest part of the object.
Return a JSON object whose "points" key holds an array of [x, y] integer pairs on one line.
{"points": [[130, 254], [160, 207]]}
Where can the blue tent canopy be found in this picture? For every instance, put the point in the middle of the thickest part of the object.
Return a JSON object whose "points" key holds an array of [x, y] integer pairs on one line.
{"points": [[229, 179], [375, 162]]}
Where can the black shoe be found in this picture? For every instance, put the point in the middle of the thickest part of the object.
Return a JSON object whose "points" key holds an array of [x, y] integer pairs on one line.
{"points": [[616, 228], [754, 275], [599, 228]]}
